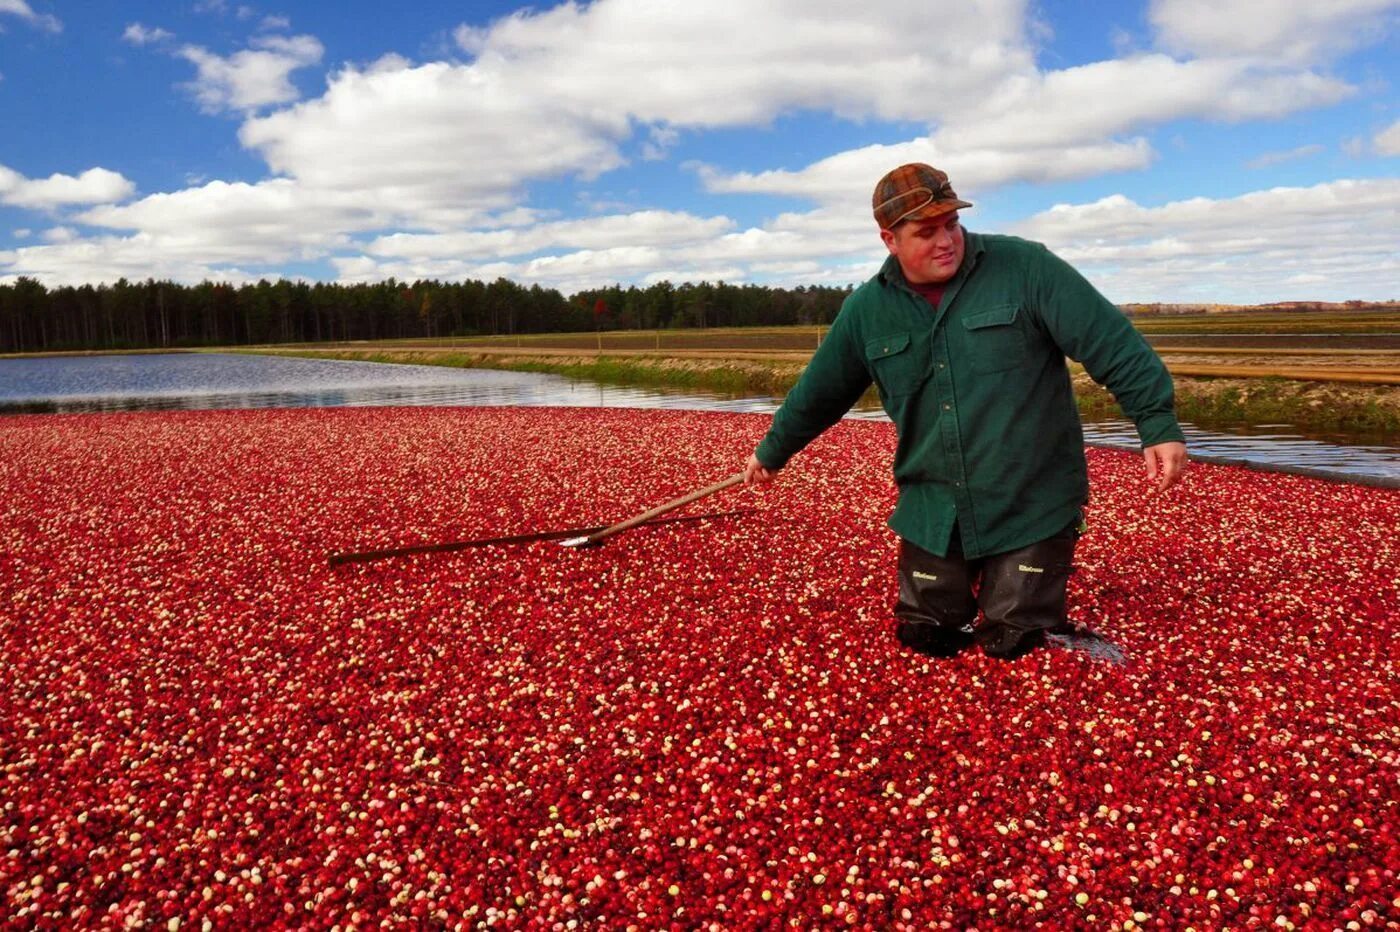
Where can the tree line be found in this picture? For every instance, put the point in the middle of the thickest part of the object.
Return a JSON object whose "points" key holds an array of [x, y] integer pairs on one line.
{"points": [[164, 314]]}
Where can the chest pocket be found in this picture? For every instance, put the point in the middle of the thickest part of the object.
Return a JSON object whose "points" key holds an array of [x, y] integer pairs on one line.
{"points": [[898, 363], [994, 342]]}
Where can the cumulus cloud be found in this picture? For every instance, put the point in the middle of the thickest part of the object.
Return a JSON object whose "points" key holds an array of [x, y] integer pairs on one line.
{"points": [[220, 222], [438, 143], [1243, 249], [556, 93], [1387, 141], [657, 227], [425, 169], [1053, 127], [1294, 31], [252, 78], [107, 258], [849, 177], [1107, 98], [138, 34], [220, 232], [1337, 237], [94, 186], [879, 59], [24, 11]]}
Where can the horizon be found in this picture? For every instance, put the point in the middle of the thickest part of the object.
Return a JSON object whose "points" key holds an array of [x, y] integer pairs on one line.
{"points": [[1306, 304], [1237, 152]]}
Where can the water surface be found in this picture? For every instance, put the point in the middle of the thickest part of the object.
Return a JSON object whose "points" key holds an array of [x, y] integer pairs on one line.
{"points": [[148, 382]]}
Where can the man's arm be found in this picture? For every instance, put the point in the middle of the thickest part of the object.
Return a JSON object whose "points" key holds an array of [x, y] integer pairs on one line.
{"points": [[1092, 331], [833, 380]]}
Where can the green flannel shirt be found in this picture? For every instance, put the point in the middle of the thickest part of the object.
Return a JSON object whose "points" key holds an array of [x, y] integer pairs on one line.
{"points": [[988, 431]]}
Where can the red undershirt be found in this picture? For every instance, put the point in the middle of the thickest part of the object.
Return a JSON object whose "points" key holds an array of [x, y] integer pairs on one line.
{"points": [[932, 291]]}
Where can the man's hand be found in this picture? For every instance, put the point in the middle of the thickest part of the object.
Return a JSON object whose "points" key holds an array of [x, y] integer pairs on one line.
{"points": [[1165, 463], [756, 472]]}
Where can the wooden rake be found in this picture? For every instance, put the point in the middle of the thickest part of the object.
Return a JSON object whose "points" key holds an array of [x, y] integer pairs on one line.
{"points": [[576, 537]]}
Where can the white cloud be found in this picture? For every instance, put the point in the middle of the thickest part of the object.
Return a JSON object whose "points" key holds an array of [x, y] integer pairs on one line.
{"points": [[1294, 31], [106, 259], [685, 68], [220, 231], [1387, 141], [252, 78], [1331, 241], [1341, 234], [272, 221], [1103, 99], [24, 11], [138, 34], [1288, 155], [94, 186], [437, 143], [60, 235], [275, 23], [662, 139], [440, 146], [413, 170], [22, 233], [557, 94], [656, 227], [848, 178]]}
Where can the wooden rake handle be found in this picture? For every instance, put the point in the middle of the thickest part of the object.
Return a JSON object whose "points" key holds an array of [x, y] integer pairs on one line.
{"points": [[597, 537]]}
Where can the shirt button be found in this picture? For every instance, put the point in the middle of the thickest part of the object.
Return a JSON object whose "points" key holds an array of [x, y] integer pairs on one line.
{"points": [[942, 365], [947, 407]]}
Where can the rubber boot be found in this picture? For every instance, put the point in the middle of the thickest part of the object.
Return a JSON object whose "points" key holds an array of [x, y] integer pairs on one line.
{"points": [[1023, 596], [935, 609]]}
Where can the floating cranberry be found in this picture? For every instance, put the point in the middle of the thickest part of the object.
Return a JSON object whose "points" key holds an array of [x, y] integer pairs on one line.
{"points": [[203, 725]]}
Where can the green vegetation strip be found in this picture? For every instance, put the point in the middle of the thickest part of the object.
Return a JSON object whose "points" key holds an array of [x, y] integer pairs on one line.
{"points": [[1203, 401]]}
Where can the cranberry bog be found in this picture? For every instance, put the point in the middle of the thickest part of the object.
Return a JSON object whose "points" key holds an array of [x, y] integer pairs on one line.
{"points": [[705, 725]]}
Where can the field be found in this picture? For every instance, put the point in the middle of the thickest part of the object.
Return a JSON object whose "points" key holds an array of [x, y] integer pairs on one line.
{"points": [[203, 724], [1260, 370]]}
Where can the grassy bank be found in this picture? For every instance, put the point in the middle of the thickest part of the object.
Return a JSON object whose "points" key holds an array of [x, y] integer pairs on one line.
{"points": [[730, 377], [1320, 406]]}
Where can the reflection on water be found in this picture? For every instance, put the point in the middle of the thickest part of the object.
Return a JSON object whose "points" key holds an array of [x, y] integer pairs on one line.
{"points": [[163, 382], [1277, 446], [207, 380]]}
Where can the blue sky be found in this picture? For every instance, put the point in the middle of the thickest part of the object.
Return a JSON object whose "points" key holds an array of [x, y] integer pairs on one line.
{"points": [[1234, 151]]}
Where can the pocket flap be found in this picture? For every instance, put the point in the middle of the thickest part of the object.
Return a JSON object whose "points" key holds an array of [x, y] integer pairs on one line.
{"points": [[880, 347], [996, 317]]}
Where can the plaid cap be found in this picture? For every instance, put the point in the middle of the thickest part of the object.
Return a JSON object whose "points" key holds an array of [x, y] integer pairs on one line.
{"points": [[913, 192]]}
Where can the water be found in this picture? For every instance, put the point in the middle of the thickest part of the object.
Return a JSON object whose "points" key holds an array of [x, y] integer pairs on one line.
{"points": [[208, 380], [181, 381]]}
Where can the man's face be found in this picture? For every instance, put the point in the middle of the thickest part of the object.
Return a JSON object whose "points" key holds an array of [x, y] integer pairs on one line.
{"points": [[929, 251]]}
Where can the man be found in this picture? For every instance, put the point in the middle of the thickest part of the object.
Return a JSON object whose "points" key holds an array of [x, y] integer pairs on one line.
{"points": [[965, 336]]}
